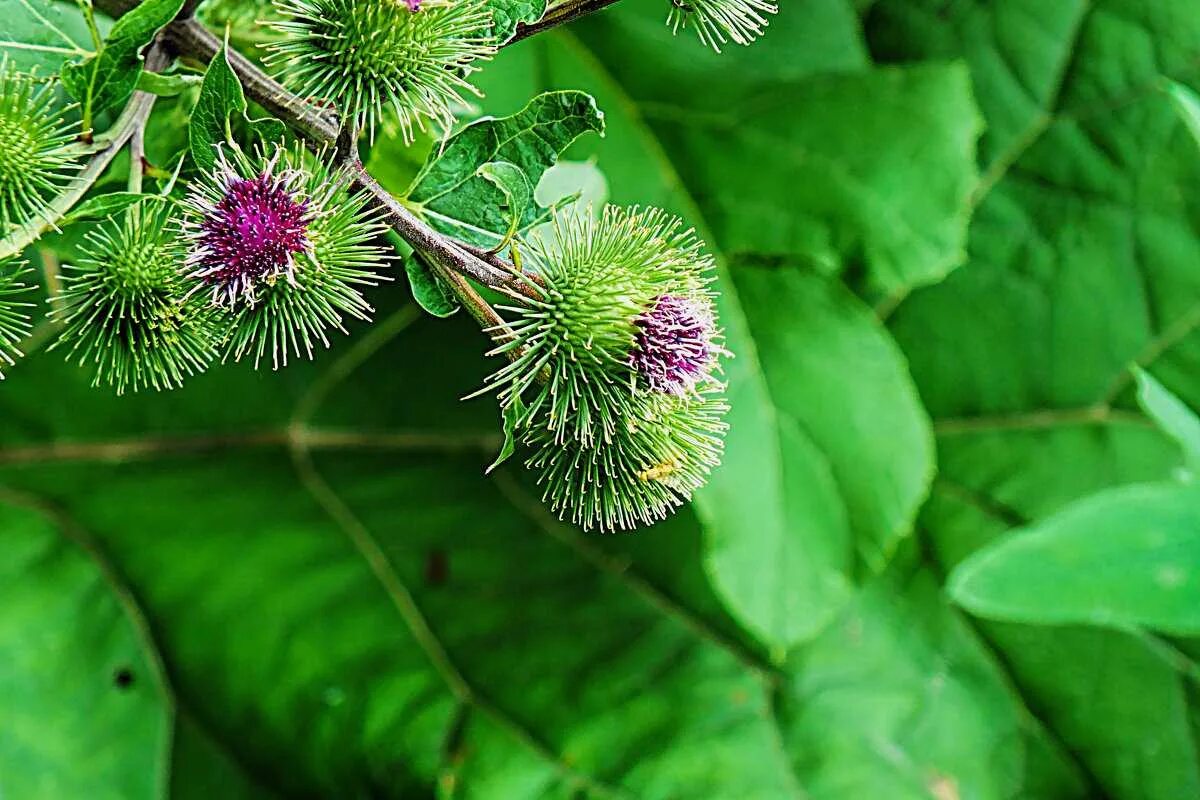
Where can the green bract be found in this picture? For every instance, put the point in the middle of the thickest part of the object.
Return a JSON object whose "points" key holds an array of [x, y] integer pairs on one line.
{"points": [[35, 155], [14, 322], [123, 307], [719, 21], [660, 452], [573, 340], [365, 55]]}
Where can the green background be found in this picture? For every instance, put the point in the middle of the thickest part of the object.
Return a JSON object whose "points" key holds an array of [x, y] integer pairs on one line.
{"points": [[946, 228]]}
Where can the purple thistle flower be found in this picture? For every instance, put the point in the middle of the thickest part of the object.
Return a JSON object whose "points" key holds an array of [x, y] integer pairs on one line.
{"points": [[413, 5], [673, 348], [250, 234]]}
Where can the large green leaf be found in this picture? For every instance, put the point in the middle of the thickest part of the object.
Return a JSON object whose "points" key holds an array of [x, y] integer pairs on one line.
{"points": [[855, 170], [319, 642], [1081, 260], [39, 35], [1125, 558], [75, 668]]}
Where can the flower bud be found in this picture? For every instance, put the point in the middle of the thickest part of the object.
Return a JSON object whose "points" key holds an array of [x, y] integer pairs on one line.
{"points": [[365, 55], [35, 155], [621, 308], [662, 451], [123, 307]]}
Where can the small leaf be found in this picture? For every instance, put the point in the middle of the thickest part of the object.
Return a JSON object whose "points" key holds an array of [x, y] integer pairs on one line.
{"points": [[166, 85], [106, 205], [455, 198], [506, 14], [221, 99], [512, 416], [429, 292], [518, 194], [1189, 106], [1171, 415], [1123, 557], [106, 80]]}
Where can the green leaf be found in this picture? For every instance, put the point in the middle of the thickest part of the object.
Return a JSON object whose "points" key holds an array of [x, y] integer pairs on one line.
{"points": [[512, 415], [107, 79], [452, 195], [867, 421], [1128, 557], [332, 554], [1189, 106], [105, 205], [854, 446], [85, 711], [428, 290], [507, 13], [39, 35], [1171, 415], [899, 670], [1030, 391], [518, 194], [866, 171], [167, 85], [222, 103]]}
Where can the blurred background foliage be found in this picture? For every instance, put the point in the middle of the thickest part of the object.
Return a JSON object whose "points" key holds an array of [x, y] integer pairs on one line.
{"points": [[946, 229]]}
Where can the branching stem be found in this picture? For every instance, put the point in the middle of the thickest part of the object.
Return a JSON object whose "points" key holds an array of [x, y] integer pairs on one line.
{"points": [[453, 260]]}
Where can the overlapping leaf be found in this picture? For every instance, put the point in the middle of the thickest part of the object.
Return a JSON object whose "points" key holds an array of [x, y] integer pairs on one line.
{"points": [[345, 605]]}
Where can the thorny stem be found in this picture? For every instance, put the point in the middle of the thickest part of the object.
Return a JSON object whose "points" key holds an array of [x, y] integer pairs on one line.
{"points": [[132, 118]]}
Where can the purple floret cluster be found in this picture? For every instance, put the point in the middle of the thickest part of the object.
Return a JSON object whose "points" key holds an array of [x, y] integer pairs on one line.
{"points": [[673, 349], [251, 234]]}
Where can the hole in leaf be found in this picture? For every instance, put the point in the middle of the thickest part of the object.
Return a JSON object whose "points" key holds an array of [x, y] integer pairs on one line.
{"points": [[123, 678]]}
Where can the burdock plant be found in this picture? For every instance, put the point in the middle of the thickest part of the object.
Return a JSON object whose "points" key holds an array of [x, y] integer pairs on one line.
{"points": [[613, 381], [363, 56], [621, 306], [123, 306], [280, 244], [260, 240], [35, 148]]}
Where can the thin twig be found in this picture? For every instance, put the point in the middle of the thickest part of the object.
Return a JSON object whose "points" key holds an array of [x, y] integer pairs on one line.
{"points": [[437, 248], [137, 157], [560, 15]]}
